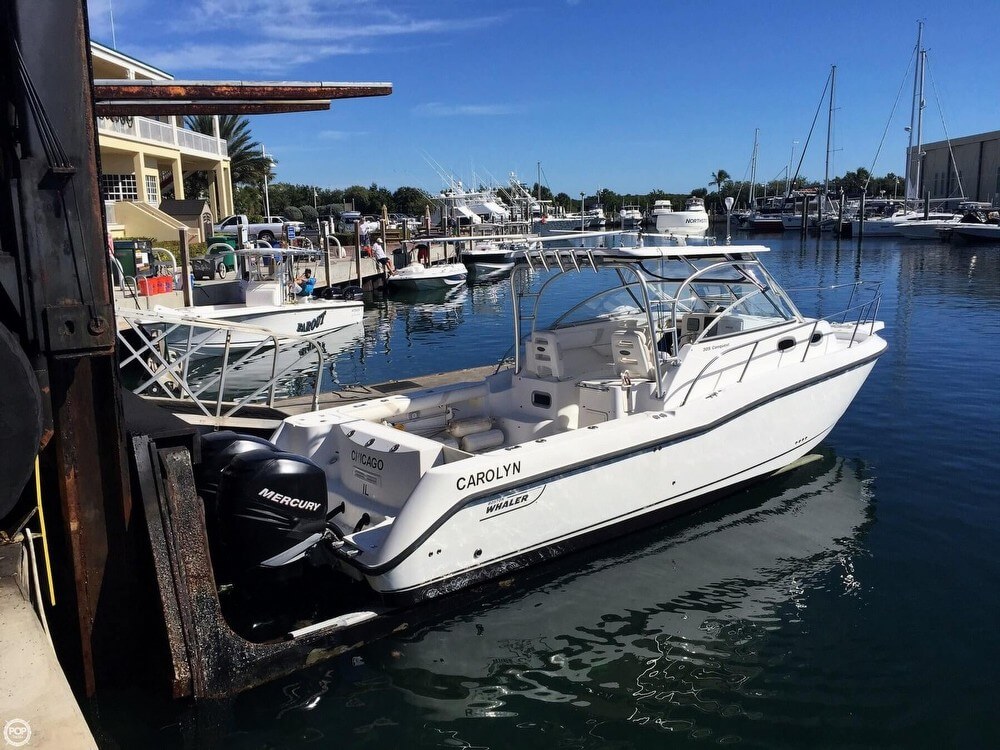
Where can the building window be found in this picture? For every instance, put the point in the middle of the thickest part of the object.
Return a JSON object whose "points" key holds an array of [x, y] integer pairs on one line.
{"points": [[153, 189], [119, 187]]}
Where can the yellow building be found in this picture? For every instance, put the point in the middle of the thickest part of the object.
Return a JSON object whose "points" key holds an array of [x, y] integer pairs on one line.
{"points": [[141, 158]]}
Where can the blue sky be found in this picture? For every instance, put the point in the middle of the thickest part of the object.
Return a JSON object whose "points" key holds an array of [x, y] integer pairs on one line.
{"points": [[630, 96]]}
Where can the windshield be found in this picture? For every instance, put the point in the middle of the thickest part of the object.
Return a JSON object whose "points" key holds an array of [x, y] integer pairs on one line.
{"points": [[713, 287]]}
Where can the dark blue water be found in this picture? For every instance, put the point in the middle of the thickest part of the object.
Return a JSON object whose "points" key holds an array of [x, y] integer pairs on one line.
{"points": [[850, 603]]}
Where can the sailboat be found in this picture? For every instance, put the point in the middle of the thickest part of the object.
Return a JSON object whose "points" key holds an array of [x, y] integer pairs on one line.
{"points": [[824, 207], [891, 225]]}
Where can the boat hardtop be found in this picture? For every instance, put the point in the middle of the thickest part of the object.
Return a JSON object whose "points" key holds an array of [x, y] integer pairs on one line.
{"points": [[640, 386]]}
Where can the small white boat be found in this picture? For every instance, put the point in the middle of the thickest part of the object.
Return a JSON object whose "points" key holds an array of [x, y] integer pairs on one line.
{"points": [[679, 376], [486, 257], [692, 221], [979, 234], [270, 302], [892, 226], [417, 276], [926, 230]]}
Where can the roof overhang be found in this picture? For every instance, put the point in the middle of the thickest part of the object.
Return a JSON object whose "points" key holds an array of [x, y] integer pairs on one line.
{"points": [[133, 97]]}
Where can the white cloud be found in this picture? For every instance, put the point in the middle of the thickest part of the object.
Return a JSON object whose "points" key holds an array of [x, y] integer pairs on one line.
{"points": [[271, 37], [340, 135], [439, 109]]}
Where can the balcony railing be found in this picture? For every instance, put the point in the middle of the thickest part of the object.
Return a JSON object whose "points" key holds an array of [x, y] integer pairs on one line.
{"points": [[154, 131]]}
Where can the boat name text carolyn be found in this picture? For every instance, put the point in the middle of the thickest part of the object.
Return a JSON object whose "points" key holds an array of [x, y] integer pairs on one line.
{"points": [[490, 475]]}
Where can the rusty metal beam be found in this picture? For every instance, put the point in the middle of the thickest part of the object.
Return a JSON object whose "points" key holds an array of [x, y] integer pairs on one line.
{"points": [[158, 108], [263, 91], [62, 313]]}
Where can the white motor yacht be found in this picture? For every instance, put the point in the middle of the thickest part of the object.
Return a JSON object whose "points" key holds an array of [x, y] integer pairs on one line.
{"points": [[645, 382], [692, 221]]}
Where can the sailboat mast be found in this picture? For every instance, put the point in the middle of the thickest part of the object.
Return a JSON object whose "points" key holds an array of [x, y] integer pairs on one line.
{"points": [[753, 166], [922, 59], [829, 132], [911, 187]]}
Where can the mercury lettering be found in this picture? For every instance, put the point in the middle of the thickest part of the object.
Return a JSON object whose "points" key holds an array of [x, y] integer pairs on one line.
{"points": [[291, 502], [489, 475]]}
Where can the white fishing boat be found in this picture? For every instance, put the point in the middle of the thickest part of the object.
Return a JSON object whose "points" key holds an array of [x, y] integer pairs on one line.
{"points": [[692, 221], [270, 301], [671, 377], [419, 277]]}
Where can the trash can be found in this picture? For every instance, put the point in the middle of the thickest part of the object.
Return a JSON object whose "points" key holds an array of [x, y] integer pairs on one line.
{"points": [[133, 255], [204, 268], [229, 258]]}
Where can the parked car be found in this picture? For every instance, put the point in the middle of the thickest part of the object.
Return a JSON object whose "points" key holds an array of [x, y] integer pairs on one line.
{"points": [[269, 230]]}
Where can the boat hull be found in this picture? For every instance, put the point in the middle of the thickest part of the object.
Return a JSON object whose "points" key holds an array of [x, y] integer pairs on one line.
{"points": [[977, 233], [686, 458], [417, 277], [308, 318]]}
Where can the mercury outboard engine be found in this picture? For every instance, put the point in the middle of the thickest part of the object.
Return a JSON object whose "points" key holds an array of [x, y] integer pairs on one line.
{"points": [[217, 450], [271, 513], [271, 509]]}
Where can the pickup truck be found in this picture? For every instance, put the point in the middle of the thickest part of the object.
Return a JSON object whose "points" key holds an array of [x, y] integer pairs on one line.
{"points": [[270, 229]]}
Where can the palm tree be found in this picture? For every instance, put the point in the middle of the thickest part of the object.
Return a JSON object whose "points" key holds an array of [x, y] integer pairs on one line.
{"points": [[247, 162], [719, 179]]}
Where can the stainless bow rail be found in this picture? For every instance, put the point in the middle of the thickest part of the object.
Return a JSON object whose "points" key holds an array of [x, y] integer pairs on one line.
{"points": [[145, 349]]}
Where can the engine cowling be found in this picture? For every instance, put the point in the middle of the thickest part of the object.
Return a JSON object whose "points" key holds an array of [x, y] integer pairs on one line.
{"points": [[272, 508]]}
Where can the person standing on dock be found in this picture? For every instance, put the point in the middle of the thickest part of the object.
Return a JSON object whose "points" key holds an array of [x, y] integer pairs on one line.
{"points": [[381, 258]]}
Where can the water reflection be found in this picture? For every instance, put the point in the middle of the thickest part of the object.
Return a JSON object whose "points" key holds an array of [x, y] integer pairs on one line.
{"points": [[653, 627], [294, 365]]}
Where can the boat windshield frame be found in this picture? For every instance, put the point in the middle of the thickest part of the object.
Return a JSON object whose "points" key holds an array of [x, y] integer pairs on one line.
{"points": [[648, 294]]}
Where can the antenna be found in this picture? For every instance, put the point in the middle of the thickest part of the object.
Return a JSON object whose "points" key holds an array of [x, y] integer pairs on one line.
{"points": [[111, 12]]}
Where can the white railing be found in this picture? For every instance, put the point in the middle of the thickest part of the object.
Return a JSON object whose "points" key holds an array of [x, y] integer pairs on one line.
{"points": [[152, 365], [154, 131]]}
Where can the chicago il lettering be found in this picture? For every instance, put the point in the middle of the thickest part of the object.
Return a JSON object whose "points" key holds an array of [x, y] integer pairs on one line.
{"points": [[363, 459], [489, 475], [311, 325], [291, 502]]}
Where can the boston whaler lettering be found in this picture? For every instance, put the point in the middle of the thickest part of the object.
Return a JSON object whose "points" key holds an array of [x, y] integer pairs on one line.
{"points": [[675, 375]]}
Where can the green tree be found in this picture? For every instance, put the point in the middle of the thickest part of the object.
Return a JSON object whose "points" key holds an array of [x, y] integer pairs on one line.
{"points": [[411, 201]]}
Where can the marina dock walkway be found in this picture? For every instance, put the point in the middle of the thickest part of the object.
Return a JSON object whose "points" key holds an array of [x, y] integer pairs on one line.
{"points": [[37, 707]]}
